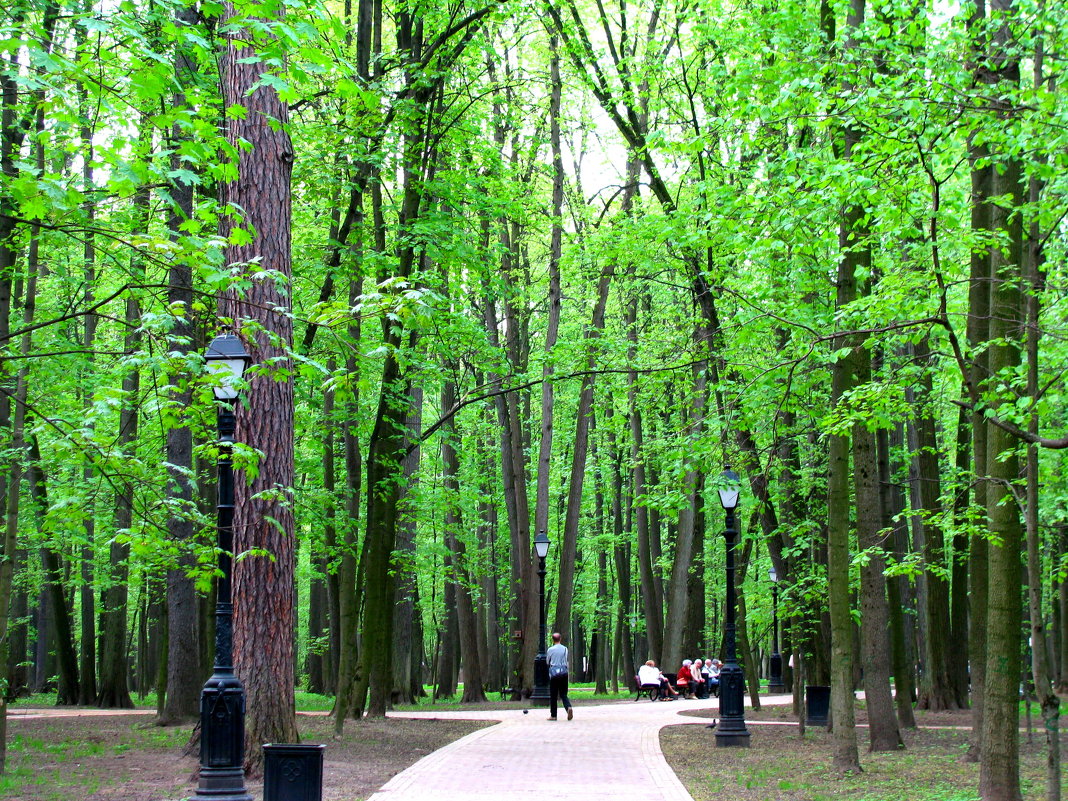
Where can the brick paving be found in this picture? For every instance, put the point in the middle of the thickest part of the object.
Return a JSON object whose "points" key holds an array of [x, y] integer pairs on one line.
{"points": [[610, 751]]}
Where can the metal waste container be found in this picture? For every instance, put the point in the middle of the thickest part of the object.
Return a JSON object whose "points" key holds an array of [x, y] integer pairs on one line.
{"points": [[818, 704], [292, 772]]}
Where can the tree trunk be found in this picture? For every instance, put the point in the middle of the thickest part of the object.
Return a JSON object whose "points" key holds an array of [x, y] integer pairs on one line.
{"points": [[66, 656], [387, 444], [263, 588], [545, 445], [1042, 646], [843, 378], [461, 575], [349, 698], [515, 496], [936, 686], [652, 606], [999, 770], [405, 610], [875, 615], [692, 485], [113, 691], [448, 659], [893, 504], [184, 676]]}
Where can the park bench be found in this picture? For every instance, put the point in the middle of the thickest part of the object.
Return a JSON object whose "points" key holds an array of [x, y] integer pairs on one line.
{"points": [[650, 690]]}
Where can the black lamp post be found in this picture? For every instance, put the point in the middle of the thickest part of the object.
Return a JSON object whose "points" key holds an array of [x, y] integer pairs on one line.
{"points": [[540, 696], [731, 730], [222, 702], [775, 684]]}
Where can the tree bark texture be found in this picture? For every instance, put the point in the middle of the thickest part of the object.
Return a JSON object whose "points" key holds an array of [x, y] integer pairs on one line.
{"points": [[405, 611], [999, 770], [883, 731], [184, 677], [263, 587]]}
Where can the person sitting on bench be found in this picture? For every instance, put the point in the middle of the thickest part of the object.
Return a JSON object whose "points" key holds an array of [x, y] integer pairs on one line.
{"points": [[700, 682], [713, 676], [649, 674], [684, 679]]}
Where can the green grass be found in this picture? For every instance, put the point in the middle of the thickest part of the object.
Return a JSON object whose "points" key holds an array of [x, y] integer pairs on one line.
{"points": [[313, 702], [51, 765]]}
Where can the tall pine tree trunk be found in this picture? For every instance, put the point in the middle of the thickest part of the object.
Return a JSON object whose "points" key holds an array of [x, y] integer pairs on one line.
{"points": [[263, 588]]}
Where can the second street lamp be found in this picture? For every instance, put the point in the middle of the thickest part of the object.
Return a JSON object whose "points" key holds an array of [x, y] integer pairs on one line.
{"points": [[731, 730], [775, 684], [540, 696], [222, 701]]}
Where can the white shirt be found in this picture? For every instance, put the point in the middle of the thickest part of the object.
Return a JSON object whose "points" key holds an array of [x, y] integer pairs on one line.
{"points": [[648, 674]]}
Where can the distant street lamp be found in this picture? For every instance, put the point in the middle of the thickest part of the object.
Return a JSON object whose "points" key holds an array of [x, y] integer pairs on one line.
{"points": [[222, 702], [731, 731], [775, 684], [540, 696]]}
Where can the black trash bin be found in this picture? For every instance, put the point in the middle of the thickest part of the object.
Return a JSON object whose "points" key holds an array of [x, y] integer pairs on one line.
{"points": [[292, 772], [818, 704]]}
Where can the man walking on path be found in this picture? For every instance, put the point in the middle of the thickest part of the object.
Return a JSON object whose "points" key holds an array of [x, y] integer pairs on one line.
{"points": [[556, 656]]}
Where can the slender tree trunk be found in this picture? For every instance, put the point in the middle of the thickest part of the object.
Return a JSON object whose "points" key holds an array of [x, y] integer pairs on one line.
{"points": [[461, 574], [183, 670], [999, 771], [448, 659], [66, 656], [936, 687], [678, 593], [545, 445], [349, 698], [652, 608], [892, 507], [843, 378], [883, 731], [405, 610], [1042, 649], [113, 691]]}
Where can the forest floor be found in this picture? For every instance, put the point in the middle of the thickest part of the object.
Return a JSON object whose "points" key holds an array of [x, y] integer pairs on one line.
{"points": [[781, 766], [93, 757]]}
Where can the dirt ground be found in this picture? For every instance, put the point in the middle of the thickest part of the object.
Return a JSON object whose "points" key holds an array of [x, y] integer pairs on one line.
{"points": [[780, 766], [105, 758]]}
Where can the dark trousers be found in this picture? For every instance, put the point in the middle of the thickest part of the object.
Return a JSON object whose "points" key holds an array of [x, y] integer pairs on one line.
{"points": [[558, 690]]}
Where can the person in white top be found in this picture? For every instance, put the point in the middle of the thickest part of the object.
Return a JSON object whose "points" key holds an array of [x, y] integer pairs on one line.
{"points": [[649, 673]]}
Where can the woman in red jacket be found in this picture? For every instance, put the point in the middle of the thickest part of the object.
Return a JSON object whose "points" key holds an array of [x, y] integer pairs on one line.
{"points": [[684, 679]]}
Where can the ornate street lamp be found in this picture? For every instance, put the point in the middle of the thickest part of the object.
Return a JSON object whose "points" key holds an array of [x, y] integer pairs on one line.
{"points": [[222, 701], [775, 684], [540, 696], [731, 730]]}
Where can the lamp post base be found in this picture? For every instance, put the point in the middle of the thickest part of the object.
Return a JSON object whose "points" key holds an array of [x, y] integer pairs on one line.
{"points": [[222, 736], [221, 784], [731, 731], [540, 696], [775, 684], [732, 739]]}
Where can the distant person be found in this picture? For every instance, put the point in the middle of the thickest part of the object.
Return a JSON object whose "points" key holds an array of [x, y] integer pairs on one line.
{"points": [[684, 679], [700, 683], [706, 675], [556, 656], [713, 677], [649, 673]]}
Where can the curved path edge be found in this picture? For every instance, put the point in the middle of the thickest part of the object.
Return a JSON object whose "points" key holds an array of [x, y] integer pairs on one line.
{"points": [[609, 752]]}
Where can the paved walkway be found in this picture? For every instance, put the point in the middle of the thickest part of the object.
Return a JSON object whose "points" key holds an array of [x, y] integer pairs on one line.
{"points": [[609, 752]]}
